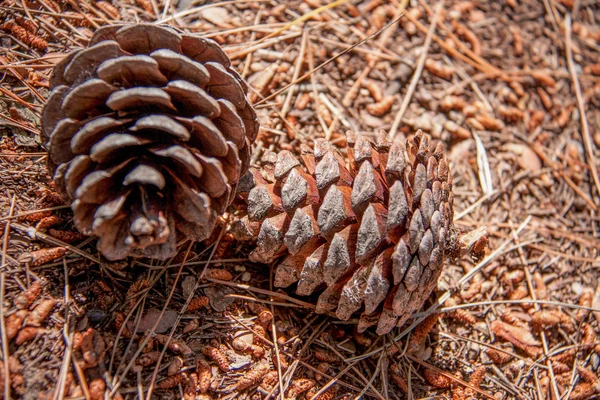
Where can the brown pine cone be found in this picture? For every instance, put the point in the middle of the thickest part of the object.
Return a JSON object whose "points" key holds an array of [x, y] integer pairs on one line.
{"points": [[373, 233], [148, 131]]}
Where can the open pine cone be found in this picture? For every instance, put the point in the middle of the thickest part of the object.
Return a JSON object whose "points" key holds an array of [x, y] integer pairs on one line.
{"points": [[148, 131], [373, 234]]}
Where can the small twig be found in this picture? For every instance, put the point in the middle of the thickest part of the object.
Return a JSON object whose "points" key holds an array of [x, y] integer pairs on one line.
{"points": [[483, 166], [166, 9], [59, 393], [297, 68], [417, 75], [5, 353], [262, 291], [522, 301], [248, 62], [585, 130]]}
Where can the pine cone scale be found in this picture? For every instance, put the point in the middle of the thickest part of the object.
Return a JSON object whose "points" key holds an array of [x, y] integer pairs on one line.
{"points": [[130, 71], [134, 117], [179, 67], [87, 99], [145, 38], [80, 67]]}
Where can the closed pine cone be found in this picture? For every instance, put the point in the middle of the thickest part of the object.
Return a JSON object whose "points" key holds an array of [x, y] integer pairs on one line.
{"points": [[374, 233], [148, 131]]}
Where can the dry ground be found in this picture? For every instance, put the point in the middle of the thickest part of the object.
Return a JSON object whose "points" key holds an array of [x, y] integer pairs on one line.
{"points": [[511, 87]]}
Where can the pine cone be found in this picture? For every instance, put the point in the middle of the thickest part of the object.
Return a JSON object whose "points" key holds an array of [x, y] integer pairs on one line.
{"points": [[374, 233], [148, 131]]}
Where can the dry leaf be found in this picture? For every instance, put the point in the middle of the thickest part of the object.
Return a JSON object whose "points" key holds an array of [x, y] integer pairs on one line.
{"points": [[149, 319], [526, 157]]}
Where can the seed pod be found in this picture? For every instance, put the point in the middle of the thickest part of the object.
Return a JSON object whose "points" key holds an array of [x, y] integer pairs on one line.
{"points": [[543, 78], [191, 387], [519, 337], [148, 359], [586, 299], [511, 114], [240, 345], [437, 379], [30, 39], [498, 357], [280, 362], [47, 222], [175, 345], [489, 123], [97, 388], [148, 131], [381, 107], [108, 9], [66, 236], [362, 339], [513, 318], [197, 303], [548, 318], [460, 314], [26, 334], [172, 381], [270, 380], [42, 256], [14, 322], [35, 217], [204, 375], [329, 394], [593, 69], [325, 356], [264, 316], [450, 103], [175, 366], [397, 378], [324, 368], [299, 386], [253, 377], [25, 299], [439, 69], [41, 312], [217, 356], [421, 331], [260, 335], [220, 274], [583, 391]]}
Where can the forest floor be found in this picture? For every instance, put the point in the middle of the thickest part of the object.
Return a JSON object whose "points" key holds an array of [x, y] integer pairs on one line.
{"points": [[512, 88]]}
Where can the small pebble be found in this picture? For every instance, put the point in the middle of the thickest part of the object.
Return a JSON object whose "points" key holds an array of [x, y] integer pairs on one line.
{"points": [[239, 268], [577, 288]]}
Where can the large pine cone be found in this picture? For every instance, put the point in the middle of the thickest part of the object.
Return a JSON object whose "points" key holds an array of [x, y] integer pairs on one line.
{"points": [[148, 131], [375, 233]]}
